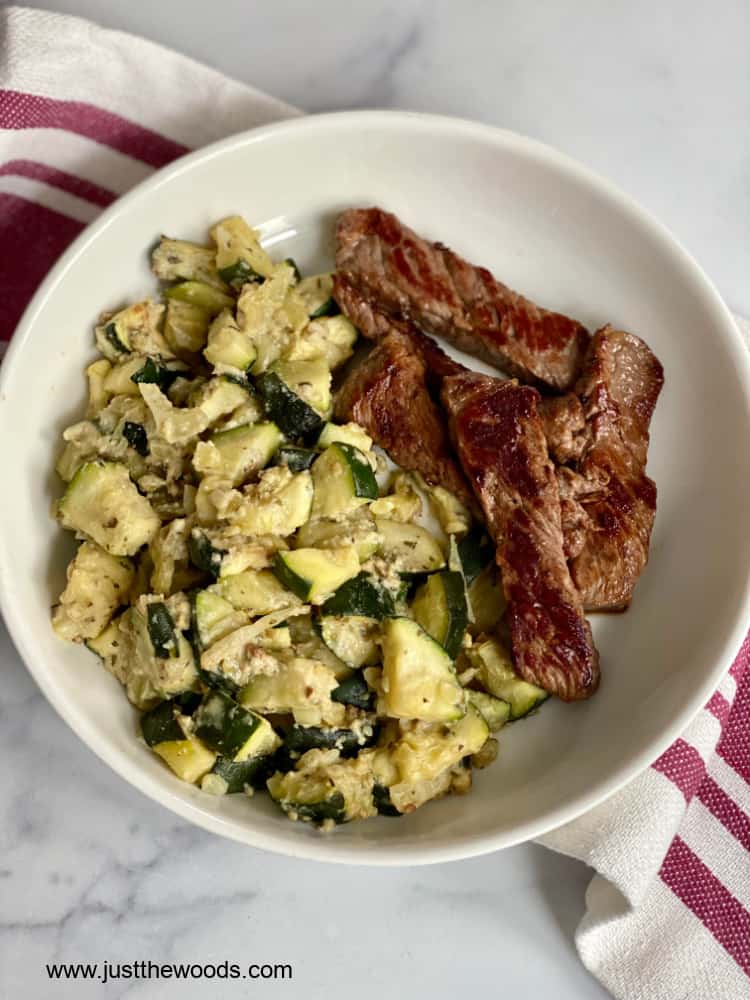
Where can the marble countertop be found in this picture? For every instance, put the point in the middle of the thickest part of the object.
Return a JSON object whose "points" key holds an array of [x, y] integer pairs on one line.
{"points": [[653, 96]]}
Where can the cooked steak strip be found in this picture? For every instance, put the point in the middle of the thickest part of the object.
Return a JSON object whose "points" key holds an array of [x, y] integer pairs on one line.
{"points": [[373, 324], [429, 286], [618, 388], [564, 426], [386, 393], [500, 441]]}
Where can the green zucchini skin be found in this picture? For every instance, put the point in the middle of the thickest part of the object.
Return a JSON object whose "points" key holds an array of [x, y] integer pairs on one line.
{"points": [[136, 437], [110, 332], [475, 550], [329, 308], [223, 725], [382, 799], [363, 478], [446, 615], [300, 739], [295, 459], [354, 691], [240, 273], [155, 373], [293, 264], [333, 808], [291, 414], [159, 725], [238, 773], [161, 631], [360, 596], [203, 555]]}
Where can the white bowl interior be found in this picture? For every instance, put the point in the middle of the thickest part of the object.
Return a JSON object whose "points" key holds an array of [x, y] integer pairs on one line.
{"points": [[544, 226]]}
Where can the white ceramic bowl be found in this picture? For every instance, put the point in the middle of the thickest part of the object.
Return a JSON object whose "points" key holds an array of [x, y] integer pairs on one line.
{"points": [[547, 227]]}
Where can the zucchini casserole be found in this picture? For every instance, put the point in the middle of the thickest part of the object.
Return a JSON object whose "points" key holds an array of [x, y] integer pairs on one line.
{"points": [[286, 609]]}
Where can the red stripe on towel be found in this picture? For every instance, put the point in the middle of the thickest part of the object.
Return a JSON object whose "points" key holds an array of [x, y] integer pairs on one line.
{"points": [[684, 767], [726, 810], [713, 904], [19, 111], [38, 236], [60, 179], [734, 745]]}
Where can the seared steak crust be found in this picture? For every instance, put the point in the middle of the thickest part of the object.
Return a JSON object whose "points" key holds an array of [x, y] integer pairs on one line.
{"points": [[387, 395], [500, 441], [618, 388], [428, 285]]}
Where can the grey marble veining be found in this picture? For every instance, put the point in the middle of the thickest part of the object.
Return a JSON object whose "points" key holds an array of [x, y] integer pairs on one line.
{"points": [[655, 96]]}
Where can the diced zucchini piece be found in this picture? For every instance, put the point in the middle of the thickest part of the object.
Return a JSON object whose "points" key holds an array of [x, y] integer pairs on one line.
{"points": [[231, 730], [161, 631], [424, 753], [188, 758], [352, 638], [358, 529], [255, 591], [179, 260], [497, 676], [295, 459], [409, 548], [343, 480], [487, 600], [98, 584], [109, 641], [317, 294], [277, 505], [202, 553], [440, 608], [135, 435], [402, 504], [272, 315], [363, 595], [300, 686], [160, 725], [102, 502], [308, 380], [452, 515], [239, 255], [186, 327], [154, 372], [351, 434], [228, 346], [214, 617], [311, 798], [218, 397], [160, 652], [348, 742], [494, 711], [96, 375], [295, 417], [314, 574], [238, 453], [197, 293], [119, 379], [238, 774], [475, 551], [330, 337], [136, 328], [419, 680], [354, 691], [177, 425]]}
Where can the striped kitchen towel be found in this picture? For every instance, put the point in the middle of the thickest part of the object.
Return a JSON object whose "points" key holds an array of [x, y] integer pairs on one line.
{"points": [[84, 115]]}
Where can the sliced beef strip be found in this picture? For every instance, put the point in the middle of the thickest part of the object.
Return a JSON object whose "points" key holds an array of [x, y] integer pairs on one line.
{"points": [[616, 501], [373, 324], [386, 393], [500, 441], [429, 286], [564, 426]]}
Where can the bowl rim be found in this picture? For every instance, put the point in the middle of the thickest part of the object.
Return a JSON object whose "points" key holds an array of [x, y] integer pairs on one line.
{"points": [[324, 848]]}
